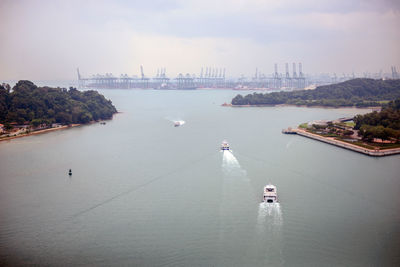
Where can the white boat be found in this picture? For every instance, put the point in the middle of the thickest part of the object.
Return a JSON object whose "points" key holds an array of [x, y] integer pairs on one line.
{"points": [[270, 195], [224, 145], [179, 123]]}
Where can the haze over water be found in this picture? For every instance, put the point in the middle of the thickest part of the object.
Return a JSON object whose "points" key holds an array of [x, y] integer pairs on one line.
{"points": [[146, 193]]}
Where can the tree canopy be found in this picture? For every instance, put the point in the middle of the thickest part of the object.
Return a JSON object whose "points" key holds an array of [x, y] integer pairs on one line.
{"points": [[356, 92], [384, 124], [26, 103]]}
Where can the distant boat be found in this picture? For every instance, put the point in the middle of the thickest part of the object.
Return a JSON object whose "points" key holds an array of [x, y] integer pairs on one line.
{"points": [[224, 145], [270, 194], [178, 123], [70, 172], [103, 123]]}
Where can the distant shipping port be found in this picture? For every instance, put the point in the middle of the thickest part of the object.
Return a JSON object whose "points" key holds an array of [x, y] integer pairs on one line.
{"points": [[208, 78]]}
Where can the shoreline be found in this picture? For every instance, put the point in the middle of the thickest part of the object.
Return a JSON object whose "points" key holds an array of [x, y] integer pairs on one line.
{"points": [[377, 108], [40, 132], [345, 145], [63, 127]]}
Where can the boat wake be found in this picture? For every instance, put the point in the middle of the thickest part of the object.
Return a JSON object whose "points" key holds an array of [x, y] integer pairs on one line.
{"points": [[288, 144], [175, 121], [269, 214], [236, 209], [180, 122], [231, 166], [268, 235]]}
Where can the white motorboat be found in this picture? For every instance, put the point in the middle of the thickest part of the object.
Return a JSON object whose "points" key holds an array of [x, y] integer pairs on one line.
{"points": [[270, 195], [224, 145], [178, 123]]}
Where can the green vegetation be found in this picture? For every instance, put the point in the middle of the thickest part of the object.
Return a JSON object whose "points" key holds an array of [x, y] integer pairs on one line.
{"points": [[357, 92], [350, 123], [357, 143], [332, 129], [303, 125], [384, 125], [26, 103]]}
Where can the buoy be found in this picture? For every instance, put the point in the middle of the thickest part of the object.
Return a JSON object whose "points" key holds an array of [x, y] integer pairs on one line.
{"points": [[70, 172]]}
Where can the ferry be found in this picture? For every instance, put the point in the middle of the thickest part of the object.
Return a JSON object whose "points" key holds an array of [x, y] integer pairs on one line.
{"points": [[270, 195], [224, 145]]}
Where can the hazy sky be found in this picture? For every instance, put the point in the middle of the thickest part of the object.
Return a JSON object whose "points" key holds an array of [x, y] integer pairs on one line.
{"points": [[49, 39]]}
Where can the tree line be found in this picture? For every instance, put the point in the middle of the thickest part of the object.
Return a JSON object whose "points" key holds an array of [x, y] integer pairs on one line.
{"points": [[384, 124], [27, 103], [359, 92]]}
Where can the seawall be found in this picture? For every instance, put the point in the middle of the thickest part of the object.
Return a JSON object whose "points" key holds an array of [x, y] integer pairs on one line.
{"points": [[366, 151]]}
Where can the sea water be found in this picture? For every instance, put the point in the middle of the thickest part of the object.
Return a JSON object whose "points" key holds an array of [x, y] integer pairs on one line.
{"points": [[146, 193]]}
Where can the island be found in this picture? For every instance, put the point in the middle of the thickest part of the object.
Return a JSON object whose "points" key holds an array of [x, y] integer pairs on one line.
{"points": [[373, 134], [359, 92], [29, 109]]}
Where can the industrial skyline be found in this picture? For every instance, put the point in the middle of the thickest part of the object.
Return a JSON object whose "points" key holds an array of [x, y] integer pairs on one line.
{"points": [[214, 77]]}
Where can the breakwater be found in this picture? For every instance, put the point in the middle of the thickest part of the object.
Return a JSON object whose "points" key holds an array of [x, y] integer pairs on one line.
{"points": [[359, 149]]}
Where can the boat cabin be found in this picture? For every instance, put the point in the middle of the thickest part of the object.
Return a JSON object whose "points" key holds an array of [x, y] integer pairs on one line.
{"points": [[270, 195]]}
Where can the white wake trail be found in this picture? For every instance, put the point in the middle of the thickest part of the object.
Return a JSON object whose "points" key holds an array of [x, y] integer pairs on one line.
{"points": [[231, 166], [269, 233], [269, 214]]}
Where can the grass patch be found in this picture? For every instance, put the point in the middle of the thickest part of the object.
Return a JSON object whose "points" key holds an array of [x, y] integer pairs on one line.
{"points": [[383, 101], [304, 125], [350, 124], [386, 146], [358, 143], [371, 145], [323, 134]]}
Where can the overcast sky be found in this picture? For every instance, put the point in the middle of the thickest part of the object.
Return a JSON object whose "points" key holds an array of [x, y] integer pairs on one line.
{"points": [[49, 39]]}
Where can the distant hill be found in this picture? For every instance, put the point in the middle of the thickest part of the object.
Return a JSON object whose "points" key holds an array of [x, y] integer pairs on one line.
{"points": [[28, 104], [356, 92]]}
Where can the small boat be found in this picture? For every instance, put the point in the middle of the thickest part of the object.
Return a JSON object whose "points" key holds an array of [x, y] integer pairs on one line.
{"points": [[224, 145], [179, 123], [70, 172], [270, 195], [103, 123]]}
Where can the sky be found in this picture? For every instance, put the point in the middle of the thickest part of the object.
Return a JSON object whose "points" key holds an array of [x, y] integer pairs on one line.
{"points": [[49, 39]]}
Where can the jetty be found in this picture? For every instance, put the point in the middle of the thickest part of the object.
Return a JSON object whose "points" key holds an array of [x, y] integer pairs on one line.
{"points": [[289, 131], [342, 144]]}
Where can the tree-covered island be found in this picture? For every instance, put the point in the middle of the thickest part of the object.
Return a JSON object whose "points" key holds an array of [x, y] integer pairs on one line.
{"points": [[357, 92], [41, 107]]}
